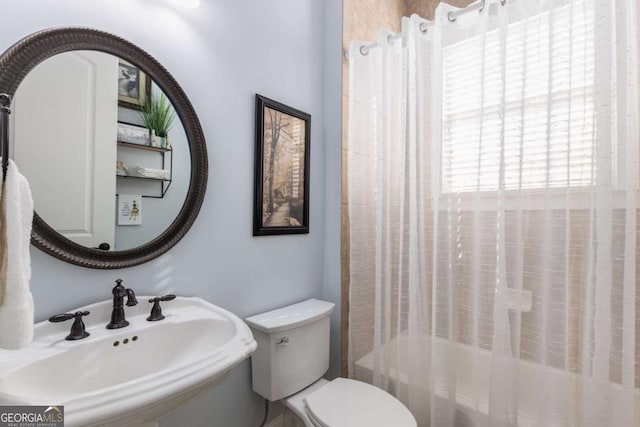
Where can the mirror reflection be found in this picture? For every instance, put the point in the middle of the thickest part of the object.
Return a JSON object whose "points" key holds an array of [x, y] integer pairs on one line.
{"points": [[101, 145]]}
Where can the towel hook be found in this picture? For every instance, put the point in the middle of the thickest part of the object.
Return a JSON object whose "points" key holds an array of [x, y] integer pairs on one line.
{"points": [[5, 110]]}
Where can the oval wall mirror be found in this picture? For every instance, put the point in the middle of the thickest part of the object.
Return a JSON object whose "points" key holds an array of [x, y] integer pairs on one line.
{"points": [[111, 146]]}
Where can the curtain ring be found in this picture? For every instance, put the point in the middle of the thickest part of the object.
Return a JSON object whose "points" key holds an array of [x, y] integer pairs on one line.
{"points": [[482, 5], [389, 39], [423, 27], [364, 50], [503, 2], [452, 17]]}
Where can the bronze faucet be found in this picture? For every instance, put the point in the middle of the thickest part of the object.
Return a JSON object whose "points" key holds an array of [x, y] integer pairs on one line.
{"points": [[117, 315]]}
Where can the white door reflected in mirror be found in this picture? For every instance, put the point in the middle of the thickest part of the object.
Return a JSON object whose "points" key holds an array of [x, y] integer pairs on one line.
{"points": [[64, 139], [64, 119]]}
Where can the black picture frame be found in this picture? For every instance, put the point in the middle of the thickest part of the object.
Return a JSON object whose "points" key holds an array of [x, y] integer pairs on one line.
{"points": [[140, 83], [279, 208]]}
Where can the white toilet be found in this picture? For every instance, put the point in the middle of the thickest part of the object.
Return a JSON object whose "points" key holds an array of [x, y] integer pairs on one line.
{"points": [[292, 356]]}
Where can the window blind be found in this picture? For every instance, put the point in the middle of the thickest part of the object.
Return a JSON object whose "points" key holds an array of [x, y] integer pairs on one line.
{"points": [[539, 101]]}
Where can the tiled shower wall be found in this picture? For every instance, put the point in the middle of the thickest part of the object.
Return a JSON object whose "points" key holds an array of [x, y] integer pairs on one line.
{"points": [[426, 8]]}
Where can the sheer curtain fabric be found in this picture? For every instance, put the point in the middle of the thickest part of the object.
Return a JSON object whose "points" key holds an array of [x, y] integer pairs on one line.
{"points": [[493, 192]]}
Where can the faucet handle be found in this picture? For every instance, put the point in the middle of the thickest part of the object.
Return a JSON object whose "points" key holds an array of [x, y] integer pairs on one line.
{"points": [[77, 329], [61, 317], [156, 310], [118, 290]]}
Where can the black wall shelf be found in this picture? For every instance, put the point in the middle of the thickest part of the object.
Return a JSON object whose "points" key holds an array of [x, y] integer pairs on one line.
{"points": [[164, 183]]}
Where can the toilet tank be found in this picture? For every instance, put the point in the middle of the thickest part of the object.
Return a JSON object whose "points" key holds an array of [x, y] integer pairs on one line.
{"points": [[293, 348]]}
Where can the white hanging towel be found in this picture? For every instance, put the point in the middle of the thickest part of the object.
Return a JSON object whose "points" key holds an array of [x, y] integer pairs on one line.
{"points": [[16, 301]]}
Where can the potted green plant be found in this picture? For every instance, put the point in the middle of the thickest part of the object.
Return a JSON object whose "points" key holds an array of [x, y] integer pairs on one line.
{"points": [[158, 115]]}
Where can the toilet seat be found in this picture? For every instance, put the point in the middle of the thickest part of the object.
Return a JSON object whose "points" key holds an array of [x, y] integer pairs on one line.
{"points": [[349, 403]]}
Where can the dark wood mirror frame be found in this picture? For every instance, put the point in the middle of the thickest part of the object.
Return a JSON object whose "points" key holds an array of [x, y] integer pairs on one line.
{"points": [[17, 61]]}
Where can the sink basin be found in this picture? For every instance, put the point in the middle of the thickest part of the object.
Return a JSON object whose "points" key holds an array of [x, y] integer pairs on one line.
{"points": [[128, 376]]}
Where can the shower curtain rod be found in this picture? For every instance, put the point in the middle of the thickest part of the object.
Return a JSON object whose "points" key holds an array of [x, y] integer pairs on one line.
{"points": [[453, 16], [365, 48], [479, 6]]}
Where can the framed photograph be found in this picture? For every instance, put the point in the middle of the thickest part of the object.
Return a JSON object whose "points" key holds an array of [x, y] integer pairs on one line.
{"points": [[281, 187], [129, 209], [133, 86], [133, 134]]}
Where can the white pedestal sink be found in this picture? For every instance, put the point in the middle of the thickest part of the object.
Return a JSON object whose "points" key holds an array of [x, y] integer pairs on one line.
{"points": [[128, 376]]}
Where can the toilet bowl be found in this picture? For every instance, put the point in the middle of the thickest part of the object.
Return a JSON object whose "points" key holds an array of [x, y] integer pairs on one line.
{"points": [[292, 357], [346, 403]]}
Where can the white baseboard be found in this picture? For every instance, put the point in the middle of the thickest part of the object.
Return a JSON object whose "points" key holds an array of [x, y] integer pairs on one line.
{"points": [[276, 422]]}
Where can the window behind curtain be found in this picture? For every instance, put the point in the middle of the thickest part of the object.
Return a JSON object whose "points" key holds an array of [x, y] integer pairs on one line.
{"points": [[546, 97]]}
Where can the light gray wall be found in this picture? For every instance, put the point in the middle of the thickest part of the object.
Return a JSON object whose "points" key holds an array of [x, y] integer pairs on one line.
{"points": [[222, 54]]}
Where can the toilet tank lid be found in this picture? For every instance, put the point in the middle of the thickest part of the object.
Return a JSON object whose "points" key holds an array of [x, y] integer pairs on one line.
{"points": [[291, 316]]}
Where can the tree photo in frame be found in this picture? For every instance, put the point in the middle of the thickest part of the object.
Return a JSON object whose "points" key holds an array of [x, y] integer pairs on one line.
{"points": [[281, 187]]}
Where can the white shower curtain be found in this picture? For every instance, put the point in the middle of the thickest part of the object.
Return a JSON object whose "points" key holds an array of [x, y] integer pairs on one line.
{"points": [[493, 192]]}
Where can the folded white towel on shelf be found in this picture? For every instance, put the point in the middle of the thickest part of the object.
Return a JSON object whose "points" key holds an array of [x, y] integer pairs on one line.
{"points": [[16, 307], [152, 173]]}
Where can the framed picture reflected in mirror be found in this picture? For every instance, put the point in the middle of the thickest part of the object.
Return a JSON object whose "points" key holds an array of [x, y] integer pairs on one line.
{"points": [[133, 86]]}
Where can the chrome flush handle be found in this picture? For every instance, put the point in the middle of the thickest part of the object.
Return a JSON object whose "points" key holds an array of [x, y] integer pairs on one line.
{"points": [[284, 341]]}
